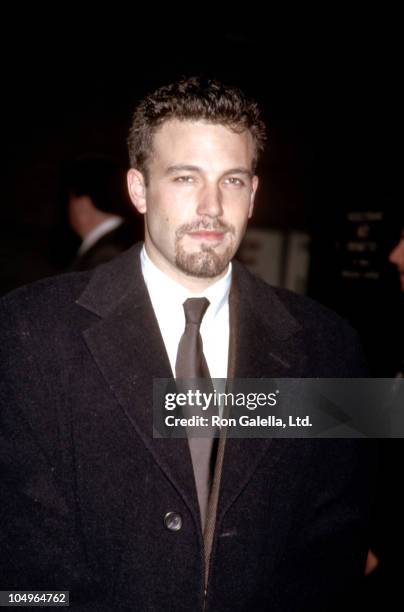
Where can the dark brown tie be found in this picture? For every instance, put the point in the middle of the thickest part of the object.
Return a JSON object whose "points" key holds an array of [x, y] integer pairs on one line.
{"points": [[191, 364]]}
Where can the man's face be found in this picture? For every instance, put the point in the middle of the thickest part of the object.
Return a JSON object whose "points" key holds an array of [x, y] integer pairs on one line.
{"points": [[396, 257], [199, 197]]}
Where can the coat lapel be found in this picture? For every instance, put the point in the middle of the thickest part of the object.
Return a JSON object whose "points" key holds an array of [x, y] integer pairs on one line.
{"points": [[268, 338], [129, 351], [266, 342]]}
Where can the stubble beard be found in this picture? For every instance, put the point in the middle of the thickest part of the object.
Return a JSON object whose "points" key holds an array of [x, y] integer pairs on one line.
{"points": [[206, 262]]}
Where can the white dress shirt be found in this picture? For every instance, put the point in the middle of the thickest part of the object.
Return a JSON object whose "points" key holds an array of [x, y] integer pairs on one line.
{"points": [[168, 296]]}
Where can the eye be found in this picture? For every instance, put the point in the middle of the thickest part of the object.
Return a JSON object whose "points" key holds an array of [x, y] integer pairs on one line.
{"points": [[234, 180], [184, 179]]}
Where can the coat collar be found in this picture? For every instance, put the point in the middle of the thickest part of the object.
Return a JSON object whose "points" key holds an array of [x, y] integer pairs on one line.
{"points": [[267, 336]]}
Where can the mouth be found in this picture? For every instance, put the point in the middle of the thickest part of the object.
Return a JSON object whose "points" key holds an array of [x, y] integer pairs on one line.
{"points": [[210, 235]]}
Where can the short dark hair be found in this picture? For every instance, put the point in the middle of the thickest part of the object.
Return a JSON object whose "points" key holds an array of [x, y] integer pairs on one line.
{"points": [[192, 99], [102, 179]]}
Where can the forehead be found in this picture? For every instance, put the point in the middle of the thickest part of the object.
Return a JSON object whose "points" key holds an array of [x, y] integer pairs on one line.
{"points": [[202, 144]]}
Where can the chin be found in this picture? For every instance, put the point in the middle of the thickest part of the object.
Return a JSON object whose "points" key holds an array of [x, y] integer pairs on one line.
{"points": [[205, 263]]}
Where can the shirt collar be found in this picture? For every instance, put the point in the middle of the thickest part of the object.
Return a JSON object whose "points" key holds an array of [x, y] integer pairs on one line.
{"points": [[98, 232]]}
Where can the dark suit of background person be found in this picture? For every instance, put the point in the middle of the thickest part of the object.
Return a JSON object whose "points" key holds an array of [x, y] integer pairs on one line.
{"points": [[108, 246], [99, 210], [85, 487]]}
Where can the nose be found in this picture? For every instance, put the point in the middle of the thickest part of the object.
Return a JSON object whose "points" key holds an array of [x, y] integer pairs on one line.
{"points": [[210, 201]]}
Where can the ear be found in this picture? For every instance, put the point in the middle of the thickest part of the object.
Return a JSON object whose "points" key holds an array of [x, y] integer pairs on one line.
{"points": [[137, 189], [255, 182]]}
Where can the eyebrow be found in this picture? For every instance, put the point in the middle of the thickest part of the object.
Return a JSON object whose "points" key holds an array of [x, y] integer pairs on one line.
{"points": [[187, 168]]}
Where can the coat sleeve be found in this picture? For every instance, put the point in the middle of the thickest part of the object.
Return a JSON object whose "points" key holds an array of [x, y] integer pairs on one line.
{"points": [[39, 529], [323, 566]]}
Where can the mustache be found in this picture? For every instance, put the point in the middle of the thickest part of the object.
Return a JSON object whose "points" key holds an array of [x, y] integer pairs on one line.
{"points": [[204, 224]]}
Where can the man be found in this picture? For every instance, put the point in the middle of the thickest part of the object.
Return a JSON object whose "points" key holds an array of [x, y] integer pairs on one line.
{"points": [[98, 210], [125, 521]]}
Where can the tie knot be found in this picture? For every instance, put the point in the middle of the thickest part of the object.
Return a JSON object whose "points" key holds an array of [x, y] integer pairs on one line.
{"points": [[194, 309]]}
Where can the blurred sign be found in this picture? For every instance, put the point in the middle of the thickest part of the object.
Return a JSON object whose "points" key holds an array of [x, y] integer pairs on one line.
{"points": [[359, 245]]}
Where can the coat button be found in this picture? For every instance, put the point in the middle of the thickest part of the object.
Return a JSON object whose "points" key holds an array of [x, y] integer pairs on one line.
{"points": [[173, 521]]}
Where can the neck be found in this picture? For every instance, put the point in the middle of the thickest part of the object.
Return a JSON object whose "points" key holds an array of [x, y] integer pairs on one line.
{"points": [[90, 224]]}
